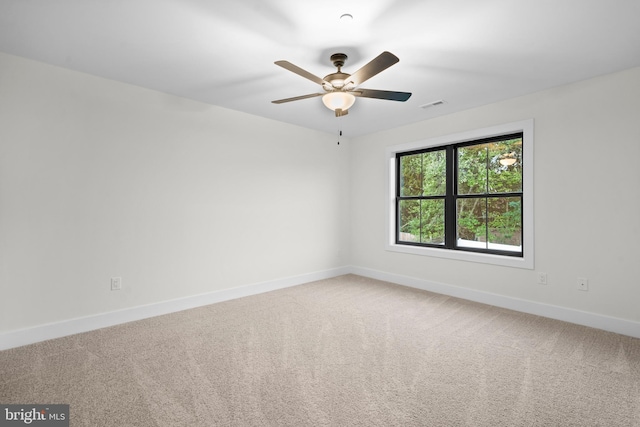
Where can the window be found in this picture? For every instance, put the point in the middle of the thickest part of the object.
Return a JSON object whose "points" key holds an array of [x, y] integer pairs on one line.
{"points": [[462, 196], [465, 196]]}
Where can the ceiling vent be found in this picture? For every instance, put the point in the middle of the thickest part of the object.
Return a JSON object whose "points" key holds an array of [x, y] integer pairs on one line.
{"points": [[432, 104]]}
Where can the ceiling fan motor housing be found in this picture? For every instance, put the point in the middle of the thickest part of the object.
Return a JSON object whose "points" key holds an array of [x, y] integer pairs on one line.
{"points": [[335, 81], [338, 79]]}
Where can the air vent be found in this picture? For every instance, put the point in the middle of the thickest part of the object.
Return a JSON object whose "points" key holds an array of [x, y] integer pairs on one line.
{"points": [[432, 104]]}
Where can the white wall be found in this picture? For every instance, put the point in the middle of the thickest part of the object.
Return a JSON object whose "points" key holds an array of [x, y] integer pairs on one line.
{"points": [[587, 199], [179, 198]]}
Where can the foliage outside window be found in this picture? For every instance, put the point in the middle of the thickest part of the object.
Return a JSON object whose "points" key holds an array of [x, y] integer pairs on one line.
{"points": [[466, 196]]}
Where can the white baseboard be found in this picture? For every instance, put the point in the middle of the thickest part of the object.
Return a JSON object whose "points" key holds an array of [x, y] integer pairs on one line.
{"points": [[593, 320], [84, 324]]}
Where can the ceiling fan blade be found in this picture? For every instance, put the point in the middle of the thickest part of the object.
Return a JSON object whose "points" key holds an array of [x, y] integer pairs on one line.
{"points": [[382, 94], [377, 65], [299, 71], [297, 98]]}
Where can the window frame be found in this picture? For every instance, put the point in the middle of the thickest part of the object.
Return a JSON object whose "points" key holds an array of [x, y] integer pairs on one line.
{"points": [[527, 260]]}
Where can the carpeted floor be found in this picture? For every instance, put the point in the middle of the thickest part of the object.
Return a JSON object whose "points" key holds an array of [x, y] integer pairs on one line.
{"points": [[348, 351]]}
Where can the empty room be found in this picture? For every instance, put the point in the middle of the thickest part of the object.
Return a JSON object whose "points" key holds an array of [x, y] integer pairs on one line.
{"points": [[356, 213]]}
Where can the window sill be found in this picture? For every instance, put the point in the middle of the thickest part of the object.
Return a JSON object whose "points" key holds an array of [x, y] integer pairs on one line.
{"points": [[506, 261]]}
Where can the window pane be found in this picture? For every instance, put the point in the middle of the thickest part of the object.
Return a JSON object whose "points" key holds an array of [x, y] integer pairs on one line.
{"points": [[423, 174], [434, 165], [505, 166], [471, 219], [411, 175], [432, 228], [409, 221], [422, 221], [505, 223], [472, 169]]}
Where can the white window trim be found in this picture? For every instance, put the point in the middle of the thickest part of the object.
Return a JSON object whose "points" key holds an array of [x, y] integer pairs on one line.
{"points": [[526, 127]]}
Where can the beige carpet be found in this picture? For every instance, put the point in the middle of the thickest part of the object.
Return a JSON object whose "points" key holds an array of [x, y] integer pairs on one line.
{"points": [[347, 351]]}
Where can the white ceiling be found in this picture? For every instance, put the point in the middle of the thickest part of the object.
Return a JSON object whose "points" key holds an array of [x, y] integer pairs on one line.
{"points": [[465, 52]]}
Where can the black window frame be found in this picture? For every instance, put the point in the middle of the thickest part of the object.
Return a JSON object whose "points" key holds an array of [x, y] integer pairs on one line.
{"points": [[451, 196]]}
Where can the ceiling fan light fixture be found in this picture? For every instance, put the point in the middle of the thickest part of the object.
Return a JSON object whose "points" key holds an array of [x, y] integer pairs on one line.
{"points": [[338, 100], [342, 88]]}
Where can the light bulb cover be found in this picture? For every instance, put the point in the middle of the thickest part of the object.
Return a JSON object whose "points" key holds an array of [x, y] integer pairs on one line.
{"points": [[338, 100]]}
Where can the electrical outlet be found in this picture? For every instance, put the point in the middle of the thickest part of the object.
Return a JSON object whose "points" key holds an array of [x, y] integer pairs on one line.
{"points": [[542, 278], [583, 284], [116, 283]]}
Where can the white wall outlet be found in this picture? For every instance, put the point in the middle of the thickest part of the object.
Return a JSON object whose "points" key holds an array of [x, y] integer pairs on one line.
{"points": [[542, 278], [116, 283], [583, 284]]}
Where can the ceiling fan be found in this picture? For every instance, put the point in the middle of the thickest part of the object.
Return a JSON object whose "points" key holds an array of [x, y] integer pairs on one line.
{"points": [[340, 89]]}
